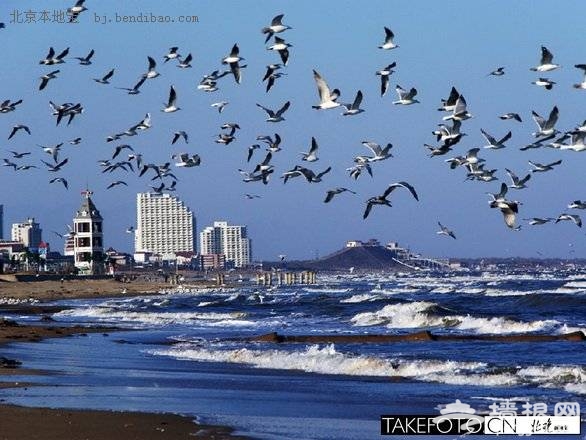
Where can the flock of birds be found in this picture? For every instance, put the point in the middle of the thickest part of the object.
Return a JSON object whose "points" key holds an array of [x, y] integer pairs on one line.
{"points": [[448, 134]]}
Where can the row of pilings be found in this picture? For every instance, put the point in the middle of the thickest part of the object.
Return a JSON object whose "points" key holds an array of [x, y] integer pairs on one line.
{"points": [[285, 278]]}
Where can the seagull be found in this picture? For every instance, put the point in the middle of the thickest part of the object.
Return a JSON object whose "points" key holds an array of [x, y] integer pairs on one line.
{"points": [[272, 78], [509, 209], [17, 128], [220, 105], [544, 82], [271, 68], [573, 217], [55, 167], [119, 149], [499, 71], [2, 25], [379, 153], [60, 179], [116, 183], [384, 74], [8, 163], [311, 156], [546, 63], [449, 104], [459, 112], [252, 196], [516, 182], [445, 231], [511, 115], [135, 89], [577, 204], [581, 85], [17, 155], [282, 47], [327, 97], [331, 193], [75, 141], [46, 78], [276, 27], [75, 10], [232, 126], [274, 145], [251, 151], [130, 230], [537, 221], [86, 61], [232, 60], [438, 151], [9, 106], [179, 134], [493, 143], [151, 73], [538, 143], [405, 97], [356, 170], [388, 44], [257, 177], [354, 108], [171, 107], [105, 78], [172, 55], [185, 63], [51, 59], [278, 115], [265, 164], [186, 161], [451, 134], [382, 199], [577, 141], [542, 168], [53, 151]]}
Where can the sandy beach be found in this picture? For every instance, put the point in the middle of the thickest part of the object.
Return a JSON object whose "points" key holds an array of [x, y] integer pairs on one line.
{"points": [[21, 423]]}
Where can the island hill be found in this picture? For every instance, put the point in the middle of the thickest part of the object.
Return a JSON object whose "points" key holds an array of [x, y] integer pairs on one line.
{"points": [[368, 255]]}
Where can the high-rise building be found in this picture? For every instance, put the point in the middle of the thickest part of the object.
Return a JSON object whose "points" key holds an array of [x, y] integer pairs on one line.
{"points": [[228, 240], [28, 233], [164, 225], [88, 247], [1, 222]]}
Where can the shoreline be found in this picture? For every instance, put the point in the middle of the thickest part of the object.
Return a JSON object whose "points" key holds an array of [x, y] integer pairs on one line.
{"points": [[23, 423]]}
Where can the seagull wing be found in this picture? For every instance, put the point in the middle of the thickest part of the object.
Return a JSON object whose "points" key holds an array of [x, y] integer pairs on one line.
{"points": [[322, 88], [267, 110], [108, 75], [367, 210], [314, 146], [357, 100], [276, 21], [546, 55], [489, 138], [323, 173], [152, 63], [402, 184], [172, 97], [384, 85], [505, 138], [373, 146], [553, 118], [283, 109]]}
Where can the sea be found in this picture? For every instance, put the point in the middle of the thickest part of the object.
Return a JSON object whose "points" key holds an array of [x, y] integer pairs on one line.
{"points": [[191, 352]]}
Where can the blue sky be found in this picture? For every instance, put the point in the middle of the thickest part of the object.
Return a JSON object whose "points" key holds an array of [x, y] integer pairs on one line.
{"points": [[441, 45]]}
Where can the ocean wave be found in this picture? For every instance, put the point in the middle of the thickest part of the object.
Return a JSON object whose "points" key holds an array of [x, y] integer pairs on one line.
{"points": [[110, 314], [420, 314], [327, 289], [361, 297]]}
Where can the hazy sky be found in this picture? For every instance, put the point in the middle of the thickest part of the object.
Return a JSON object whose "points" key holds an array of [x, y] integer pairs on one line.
{"points": [[442, 44]]}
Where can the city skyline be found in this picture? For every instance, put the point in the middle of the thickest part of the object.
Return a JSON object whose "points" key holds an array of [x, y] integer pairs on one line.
{"points": [[431, 57]]}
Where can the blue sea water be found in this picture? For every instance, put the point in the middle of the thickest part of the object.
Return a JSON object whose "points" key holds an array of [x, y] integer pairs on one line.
{"points": [[188, 352]]}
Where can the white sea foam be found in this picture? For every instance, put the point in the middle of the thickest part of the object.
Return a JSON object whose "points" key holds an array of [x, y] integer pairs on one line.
{"points": [[361, 297], [576, 284], [326, 290], [110, 314], [576, 388], [553, 375], [417, 315]]}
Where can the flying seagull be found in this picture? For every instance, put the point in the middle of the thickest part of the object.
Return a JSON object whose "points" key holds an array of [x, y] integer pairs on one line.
{"points": [[135, 89], [171, 103], [17, 155], [17, 128], [406, 97], [282, 47], [86, 61], [546, 64], [75, 141], [460, 111], [51, 59], [449, 104], [382, 199], [581, 85], [544, 82], [252, 196], [60, 179], [537, 221], [186, 62], [384, 74], [151, 72], [577, 204], [327, 97], [445, 231], [105, 78], [516, 182], [172, 55], [388, 43], [379, 153], [75, 10], [540, 168], [331, 193], [119, 149], [233, 60], [573, 217], [499, 71], [54, 167], [179, 134], [46, 78], [311, 155], [493, 143], [220, 105], [275, 116], [276, 27], [354, 108], [511, 115], [116, 183], [186, 161]]}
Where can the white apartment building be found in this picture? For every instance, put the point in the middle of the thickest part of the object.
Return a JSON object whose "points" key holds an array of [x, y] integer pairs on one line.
{"points": [[164, 225], [28, 233], [228, 240]]}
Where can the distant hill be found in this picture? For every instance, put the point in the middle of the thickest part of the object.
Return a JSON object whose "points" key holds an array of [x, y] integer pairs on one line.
{"points": [[360, 257]]}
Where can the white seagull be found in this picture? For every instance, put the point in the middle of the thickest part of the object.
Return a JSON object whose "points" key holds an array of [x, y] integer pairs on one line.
{"points": [[577, 204], [516, 182], [388, 43], [384, 74], [220, 105], [282, 47], [311, 156], [573, 217], [581, 85], [186, 62], [151, 73], [171, 104], [331, 193], [406, 97], [546, 64], [275, 116], [538, 221], [445, 231], [541, 168], [382, 199], [379, 153], [546, 128], [105, 78], [493, 143], [327, 97], [354, 108], [459, 112], [276, 27]]}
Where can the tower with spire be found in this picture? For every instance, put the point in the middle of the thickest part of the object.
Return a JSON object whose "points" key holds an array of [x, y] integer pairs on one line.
{"points": [[88, 239]]}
